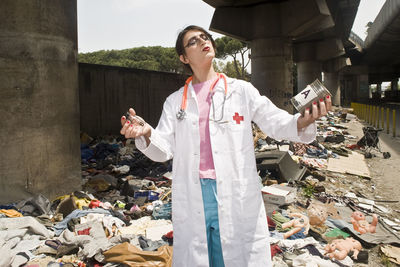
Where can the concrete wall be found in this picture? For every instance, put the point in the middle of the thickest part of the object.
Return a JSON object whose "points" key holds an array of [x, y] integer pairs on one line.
{"points": [[39, 105], [106, 93]]}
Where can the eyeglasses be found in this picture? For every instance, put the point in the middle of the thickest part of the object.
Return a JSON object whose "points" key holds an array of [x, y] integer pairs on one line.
{"points": [[195, 40]]}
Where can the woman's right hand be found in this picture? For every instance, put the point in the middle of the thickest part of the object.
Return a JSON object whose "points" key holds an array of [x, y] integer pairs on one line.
{"points": [[132, 127]]}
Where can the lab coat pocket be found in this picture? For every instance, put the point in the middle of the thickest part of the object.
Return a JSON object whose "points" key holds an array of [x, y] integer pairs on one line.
{"points": [[250, 190], [251, 206], [180, 207]]}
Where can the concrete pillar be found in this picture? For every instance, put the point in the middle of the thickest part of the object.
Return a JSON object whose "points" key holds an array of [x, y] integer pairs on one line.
{"points": [[379, 87], [308, 67], [394, 84], [271, 65], [331, 82], [307, 72], [363, 88], [39, 105]]}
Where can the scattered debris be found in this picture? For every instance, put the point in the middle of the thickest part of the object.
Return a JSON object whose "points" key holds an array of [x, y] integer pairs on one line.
{"points": [[320, 200]]}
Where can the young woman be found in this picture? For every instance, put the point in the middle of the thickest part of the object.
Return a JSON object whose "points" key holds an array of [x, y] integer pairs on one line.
{"points": [[218, 213]]}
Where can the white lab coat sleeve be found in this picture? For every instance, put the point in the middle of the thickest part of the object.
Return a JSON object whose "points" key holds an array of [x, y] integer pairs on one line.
{"points": [[275, 122], [162, 139]]}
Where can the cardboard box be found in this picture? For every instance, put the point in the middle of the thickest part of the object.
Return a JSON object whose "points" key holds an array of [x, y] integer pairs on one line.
{"points": [[278, 194]]}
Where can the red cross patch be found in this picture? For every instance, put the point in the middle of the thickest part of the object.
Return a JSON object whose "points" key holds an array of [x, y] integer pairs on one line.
{"points": [[238, 118]]}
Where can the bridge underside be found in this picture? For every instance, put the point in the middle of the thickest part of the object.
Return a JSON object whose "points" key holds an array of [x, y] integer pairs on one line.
{"points": [[313, 34]]}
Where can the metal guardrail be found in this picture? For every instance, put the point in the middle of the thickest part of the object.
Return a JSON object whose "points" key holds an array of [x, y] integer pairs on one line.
{"points": [[376, 116]]}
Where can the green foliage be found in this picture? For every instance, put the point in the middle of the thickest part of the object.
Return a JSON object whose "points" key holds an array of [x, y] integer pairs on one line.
{"points": [[227, 46], [385, 261], [165, 59], [308, 191], [229, 69], [150, 58]]}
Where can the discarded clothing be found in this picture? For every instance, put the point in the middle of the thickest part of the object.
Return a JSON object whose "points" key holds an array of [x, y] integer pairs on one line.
{"points": [[11, 213], [317, 153], [163, 212], [132, 256], [279, 219], [29, 223], [61, 226], [35, 206], [149, 245], [382, 235], [307, 259]]}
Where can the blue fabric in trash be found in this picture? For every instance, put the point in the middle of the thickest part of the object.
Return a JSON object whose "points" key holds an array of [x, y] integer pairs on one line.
{"points": [[86, 152], [317, 153], [102, 150], [151, 195], [163, 212], [298, 235], [8, 207]]}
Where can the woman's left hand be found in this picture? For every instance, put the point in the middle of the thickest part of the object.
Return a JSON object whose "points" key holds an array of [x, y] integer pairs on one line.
{"points": [[318, 110]]}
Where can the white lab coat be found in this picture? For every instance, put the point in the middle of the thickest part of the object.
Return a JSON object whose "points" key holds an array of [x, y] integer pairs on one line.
{"points": [[243, 223]]}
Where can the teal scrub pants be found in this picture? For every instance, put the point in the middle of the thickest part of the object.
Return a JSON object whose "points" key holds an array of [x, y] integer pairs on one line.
{"points": [[209, 192]]}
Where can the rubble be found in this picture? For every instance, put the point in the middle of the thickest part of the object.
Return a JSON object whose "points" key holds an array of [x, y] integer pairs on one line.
{"points": [[321, 203]]}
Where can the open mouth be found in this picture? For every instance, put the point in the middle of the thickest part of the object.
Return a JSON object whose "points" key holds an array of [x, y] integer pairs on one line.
{"points": [[206, 48]]}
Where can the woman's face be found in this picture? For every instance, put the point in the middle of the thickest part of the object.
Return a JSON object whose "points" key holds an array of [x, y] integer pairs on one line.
{"points": [[198, 48]]}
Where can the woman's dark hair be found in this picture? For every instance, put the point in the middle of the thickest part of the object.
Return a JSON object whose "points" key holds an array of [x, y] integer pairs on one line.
{"points": [[180, 47]]}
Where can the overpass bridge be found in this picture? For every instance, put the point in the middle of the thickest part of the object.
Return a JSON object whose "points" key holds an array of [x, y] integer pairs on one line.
{"points": [[378, 57], [316, 36], [313, 34]]}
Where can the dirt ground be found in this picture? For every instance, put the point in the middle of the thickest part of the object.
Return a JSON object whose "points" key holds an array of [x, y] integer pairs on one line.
{"points": [[384, 185]]}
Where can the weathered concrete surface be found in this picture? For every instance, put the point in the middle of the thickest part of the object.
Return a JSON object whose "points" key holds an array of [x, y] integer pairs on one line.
{"points": [[379, 52], [383, 38], [331, 82], [272, 58], [308, 71], [106, 93], [39, 110]]}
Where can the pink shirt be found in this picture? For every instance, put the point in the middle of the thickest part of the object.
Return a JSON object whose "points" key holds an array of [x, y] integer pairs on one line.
{"points": [[202, 91]]}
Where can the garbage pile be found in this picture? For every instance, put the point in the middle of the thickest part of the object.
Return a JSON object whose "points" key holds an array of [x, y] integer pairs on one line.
{"points": [[319, 198], [121, 216]]}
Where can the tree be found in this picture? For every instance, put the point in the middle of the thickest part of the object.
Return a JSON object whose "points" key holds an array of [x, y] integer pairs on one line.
{"points": [[227, 46], [229, 69], [150, 58]]}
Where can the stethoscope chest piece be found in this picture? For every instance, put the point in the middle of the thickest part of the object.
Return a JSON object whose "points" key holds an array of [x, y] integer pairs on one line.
{"points": [[181, 114]]}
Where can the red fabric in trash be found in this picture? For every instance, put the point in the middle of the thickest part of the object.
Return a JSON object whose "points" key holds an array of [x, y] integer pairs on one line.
{"points": [[170, 235], [353, 146], [94, 204], [275, 249], [84, 232], [271, 223]]}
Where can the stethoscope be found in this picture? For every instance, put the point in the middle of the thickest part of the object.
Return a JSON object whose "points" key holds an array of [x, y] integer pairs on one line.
{"points": [[181, 114]]}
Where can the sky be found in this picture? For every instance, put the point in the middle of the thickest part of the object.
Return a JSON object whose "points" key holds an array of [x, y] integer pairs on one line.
{"points": [[121, 24], [367, 11]]}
